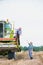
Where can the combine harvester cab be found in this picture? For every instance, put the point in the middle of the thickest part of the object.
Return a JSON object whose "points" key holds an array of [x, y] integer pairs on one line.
{"points": [[8, 42]]}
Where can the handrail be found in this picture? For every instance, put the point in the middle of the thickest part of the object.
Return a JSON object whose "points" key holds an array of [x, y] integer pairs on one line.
{"points": [[7, 39]]}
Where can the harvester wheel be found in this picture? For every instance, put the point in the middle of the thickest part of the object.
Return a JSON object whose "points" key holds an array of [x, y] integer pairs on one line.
{"points": [[10, 54]]}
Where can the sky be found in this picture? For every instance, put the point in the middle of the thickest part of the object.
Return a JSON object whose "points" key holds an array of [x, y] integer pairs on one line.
{"points": [[27, 14]]}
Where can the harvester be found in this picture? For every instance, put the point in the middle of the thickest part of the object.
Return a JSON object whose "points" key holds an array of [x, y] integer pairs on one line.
{"points": [[9, 40]]}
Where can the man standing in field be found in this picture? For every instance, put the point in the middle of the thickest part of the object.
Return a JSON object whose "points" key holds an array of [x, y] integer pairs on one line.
{"points": [[30, 50]]}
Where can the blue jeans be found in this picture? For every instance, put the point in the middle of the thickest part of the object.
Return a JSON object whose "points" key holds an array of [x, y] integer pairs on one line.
{"points": [[30, 54]]}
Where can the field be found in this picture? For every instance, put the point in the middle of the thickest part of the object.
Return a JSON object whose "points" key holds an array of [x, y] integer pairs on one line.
{"points": [[22, 58]]}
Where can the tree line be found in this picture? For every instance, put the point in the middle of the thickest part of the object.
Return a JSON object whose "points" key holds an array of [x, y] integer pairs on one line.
{"points": [[35, 48]]}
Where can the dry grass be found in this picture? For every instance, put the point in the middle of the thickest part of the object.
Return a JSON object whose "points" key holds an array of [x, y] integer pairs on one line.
{"points": [[22, 58]]}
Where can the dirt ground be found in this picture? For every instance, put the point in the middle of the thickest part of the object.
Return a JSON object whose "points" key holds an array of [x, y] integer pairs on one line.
{"points": [[22, 58]]}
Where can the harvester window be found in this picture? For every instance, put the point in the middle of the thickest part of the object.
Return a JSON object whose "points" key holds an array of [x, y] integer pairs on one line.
{"points": [[1, 30]]}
